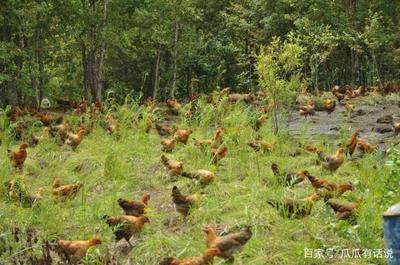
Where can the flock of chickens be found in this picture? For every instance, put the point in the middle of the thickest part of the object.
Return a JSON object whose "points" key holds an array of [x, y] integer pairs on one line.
{"points": [[133, 218]]}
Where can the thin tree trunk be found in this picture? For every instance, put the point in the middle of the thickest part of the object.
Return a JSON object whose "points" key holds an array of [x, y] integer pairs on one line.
{"points": [[99, 78], [156, 74], [39, 54], [175, 57]]}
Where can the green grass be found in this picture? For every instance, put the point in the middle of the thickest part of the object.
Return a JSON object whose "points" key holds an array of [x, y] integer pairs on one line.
{"points": [[112, 167]]}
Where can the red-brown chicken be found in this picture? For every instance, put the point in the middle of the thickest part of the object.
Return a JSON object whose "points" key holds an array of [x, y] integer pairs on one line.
{"points": [[18, 157], [174, 167], [134, 208], [228, 244]]}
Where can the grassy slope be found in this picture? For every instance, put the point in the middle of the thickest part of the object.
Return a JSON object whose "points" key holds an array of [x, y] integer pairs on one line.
{"points": [[126, 168]]}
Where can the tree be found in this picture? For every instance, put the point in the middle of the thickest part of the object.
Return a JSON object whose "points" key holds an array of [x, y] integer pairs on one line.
{"points": [[279, 70]]}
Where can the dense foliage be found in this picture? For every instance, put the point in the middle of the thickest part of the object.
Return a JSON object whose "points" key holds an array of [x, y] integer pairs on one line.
{"points": [[165, 48]]}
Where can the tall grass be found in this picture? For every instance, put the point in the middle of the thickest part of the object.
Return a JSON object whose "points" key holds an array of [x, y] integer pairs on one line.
{"points": [[129, 165]]}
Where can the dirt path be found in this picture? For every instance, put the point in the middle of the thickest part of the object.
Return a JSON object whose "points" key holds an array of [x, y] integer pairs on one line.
{"points": [[364, 118]]}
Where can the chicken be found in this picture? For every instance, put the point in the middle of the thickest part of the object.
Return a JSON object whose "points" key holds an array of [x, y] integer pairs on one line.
{"points": [[261, 144], [332, 163], [46, 118], [339, 96], [344, 211], [183, 203], [349, 107], [134, 208], [396, 127], [74, 140], [149, 103], [311, 148], [215, 142], [219, 153], [39, 194], [61, 129], [112, 125], [172, 103], [163, 129], [99, 104], [65, 191], [295, 208], [167, 145], [174, 167], [205, 177], [359, 92], [75, 250], [329, 105], [126, 225], [365, 147], [206, 259], [290, 178], [261, 121], [182, 135], [307, 110], [18, 157], [351, 143], [228, 244], [329, 189]]}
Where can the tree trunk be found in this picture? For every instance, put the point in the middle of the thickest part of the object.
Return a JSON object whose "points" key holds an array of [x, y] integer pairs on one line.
{"points": [[40, 63], [156, 74], [99, 77], [173, 89]]}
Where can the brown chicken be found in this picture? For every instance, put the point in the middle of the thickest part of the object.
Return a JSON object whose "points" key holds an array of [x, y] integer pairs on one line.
{"points": [[163, 129], [311, 148], [349, 107], [46, 118], [351, 143], [261, 145], [396, 127], [339, 96], [183, 203], [219, 153], [65, 191], [261, 121], [329, 105], [127, 225], [99, 104], [205, 177], [215, 142], [75, 250], [332, 163], [307, 110], [295, 208], [174, 167], [344, 211], [74, 140], [172, 103], [18, 157], [167, 145], [112, 125], [365, 147], [61, 129], [149, 103], [228, 244], [134, 208], [206, 259], [329, 189], [39, 194], [182, 135], [290, 178]]}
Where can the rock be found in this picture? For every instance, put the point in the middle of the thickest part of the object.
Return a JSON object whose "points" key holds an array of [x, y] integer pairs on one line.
{"points": [[359, 112], [382, 129], [385, 119]]}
